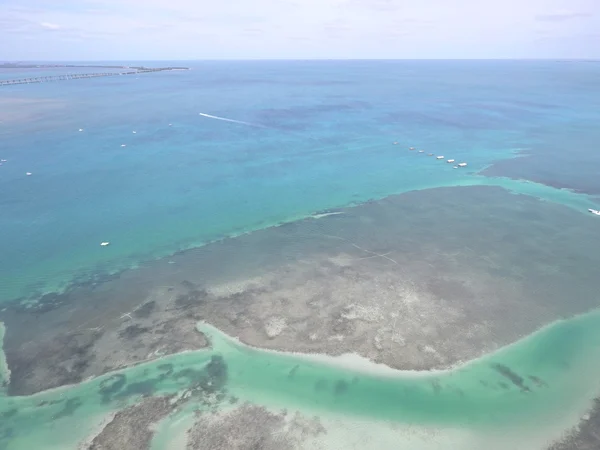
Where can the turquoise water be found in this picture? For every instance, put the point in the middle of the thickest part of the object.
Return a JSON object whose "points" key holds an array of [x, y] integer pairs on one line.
{"points": [[324, 140], [545, 378], [230, 147]]}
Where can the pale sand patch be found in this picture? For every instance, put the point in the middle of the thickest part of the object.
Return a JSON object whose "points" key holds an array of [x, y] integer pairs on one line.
{"points": [[368, 313], [236, 287], [348, 361], [274, 326], [345, 433], [320, 216]]}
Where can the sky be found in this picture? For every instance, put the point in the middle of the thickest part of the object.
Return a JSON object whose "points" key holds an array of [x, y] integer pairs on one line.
{"points": [[82, 30]]}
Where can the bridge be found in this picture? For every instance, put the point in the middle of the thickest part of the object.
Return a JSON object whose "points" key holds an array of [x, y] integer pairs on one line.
{"points": [[77, 76]]}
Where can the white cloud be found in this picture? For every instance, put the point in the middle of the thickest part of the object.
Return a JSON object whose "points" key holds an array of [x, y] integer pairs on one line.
{"points": [[50, 26], [189, 29]]}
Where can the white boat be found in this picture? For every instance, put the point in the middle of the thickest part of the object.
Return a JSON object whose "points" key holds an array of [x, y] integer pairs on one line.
{"points": [[81, 129], [439, 157], [411, 148], [104, 244], [594, 211], [28, 174], [462, 165], [421, 151], [123, 145], [450, 161]]}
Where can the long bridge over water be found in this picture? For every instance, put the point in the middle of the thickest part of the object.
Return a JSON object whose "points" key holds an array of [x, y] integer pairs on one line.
{"points": [[76, 76]]}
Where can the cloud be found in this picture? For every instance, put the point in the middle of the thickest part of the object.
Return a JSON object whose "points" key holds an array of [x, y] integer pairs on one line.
{"points": [[562, 16], [50, 26]]}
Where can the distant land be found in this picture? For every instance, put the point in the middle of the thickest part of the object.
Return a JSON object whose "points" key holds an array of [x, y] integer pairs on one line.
{"points": [[9, 65]]}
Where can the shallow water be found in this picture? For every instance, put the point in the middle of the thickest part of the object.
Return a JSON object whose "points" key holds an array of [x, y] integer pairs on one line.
{"points": [[325, 141], [548, 378], [231, 147]]}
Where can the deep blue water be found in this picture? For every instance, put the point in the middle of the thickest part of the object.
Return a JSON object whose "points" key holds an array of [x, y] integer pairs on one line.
{"points": [[318, 135]]}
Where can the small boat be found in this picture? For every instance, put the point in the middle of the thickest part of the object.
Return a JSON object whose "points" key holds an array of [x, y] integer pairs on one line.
{"points": [[81, 129], [411, 148], [421, 151], [28, 174], [455, 167], [450, 161], [439, 157], [429, 154], [134, 132], [594, 211], [123, 145], [395, 143], [462, 165], [3, 160], [104, 244]]}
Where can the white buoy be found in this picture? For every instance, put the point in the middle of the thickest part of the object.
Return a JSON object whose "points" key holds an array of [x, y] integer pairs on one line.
{"points": [[28, 174], [104, 244]]}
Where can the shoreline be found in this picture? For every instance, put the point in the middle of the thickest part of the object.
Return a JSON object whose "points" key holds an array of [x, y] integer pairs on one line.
{"points": [[579, 202], [567, 426]]}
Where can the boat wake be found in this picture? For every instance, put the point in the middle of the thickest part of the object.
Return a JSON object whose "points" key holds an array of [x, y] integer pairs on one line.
{"points": [[232, 120]]}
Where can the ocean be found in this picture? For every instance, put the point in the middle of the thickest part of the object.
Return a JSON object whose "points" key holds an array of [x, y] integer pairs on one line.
{"points": [[159, 163]]}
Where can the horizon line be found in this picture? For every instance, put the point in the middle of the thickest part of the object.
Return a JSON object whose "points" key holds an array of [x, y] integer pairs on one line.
{"points": [[16, 61]]}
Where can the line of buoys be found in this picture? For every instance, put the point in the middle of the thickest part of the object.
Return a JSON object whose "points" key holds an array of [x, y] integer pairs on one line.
{"points": [[441, 157]]}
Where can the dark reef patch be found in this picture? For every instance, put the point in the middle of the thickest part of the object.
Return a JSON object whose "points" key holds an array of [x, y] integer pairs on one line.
{"points": [[516, 379]]}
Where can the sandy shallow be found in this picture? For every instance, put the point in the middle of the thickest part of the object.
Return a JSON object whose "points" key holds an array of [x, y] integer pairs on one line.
{"points": [[385, 282]]}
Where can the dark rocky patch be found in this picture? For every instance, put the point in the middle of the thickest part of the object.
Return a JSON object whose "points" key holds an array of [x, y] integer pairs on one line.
{"points": [[32, 366], [251, 428], [70, 406], [167, 369], [516, 379], [145, 310], [131, 428], [111, 386], [292, 372], [142, 388], [192, 298], [133, 331], [8, 414], [538, 381], [586, 436], [341, 387]]}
